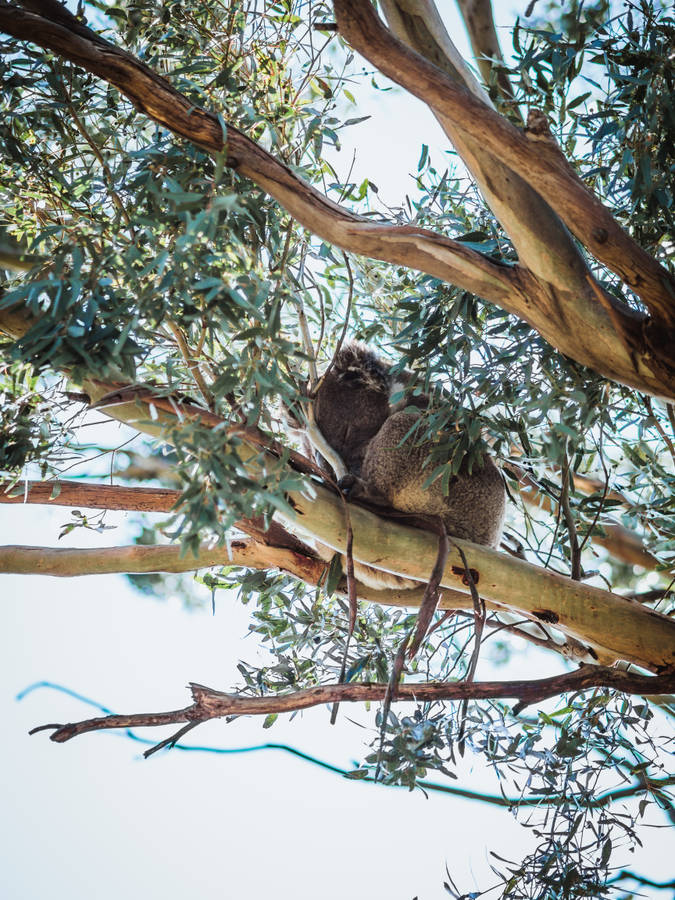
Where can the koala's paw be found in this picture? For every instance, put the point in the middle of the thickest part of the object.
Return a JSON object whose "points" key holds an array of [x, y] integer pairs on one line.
{"points": [[356, 488], [349, 484]]}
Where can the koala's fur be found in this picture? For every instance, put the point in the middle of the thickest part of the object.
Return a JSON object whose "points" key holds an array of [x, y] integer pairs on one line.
{"points": [[352, 403], [393, 468], [353, 410]]}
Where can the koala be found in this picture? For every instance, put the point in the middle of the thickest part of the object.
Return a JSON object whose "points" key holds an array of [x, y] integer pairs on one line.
{"points": [[385, 461], [352, 403]]}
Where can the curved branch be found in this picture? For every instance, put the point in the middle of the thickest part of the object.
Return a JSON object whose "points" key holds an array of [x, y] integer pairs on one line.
{"points": [[513, 288], [538, 161], [417, 248], [543, 243], [212, 704]]}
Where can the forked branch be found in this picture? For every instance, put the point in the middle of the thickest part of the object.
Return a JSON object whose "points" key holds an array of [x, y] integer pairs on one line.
{"points": [[539, 162]]}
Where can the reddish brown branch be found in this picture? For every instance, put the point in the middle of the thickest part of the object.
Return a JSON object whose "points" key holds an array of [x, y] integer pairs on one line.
{"points": [[212, 704], [90, 496], [153, 95]]}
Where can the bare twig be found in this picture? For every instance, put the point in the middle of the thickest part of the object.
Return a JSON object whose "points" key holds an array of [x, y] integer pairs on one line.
{"points": [[479, 624], [575, 552], [431, 592], [192, 362], [212, 704], [659, 427]]}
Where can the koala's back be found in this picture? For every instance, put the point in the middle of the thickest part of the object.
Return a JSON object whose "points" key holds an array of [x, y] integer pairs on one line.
{"points": [[472, 509], [353, 402]]}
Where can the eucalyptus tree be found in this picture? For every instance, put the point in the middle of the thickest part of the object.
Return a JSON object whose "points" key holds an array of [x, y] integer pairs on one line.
{"points": [[184, 254]]}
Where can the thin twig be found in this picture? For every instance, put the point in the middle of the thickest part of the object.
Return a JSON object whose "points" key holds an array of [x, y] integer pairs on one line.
{"points": [[659, 427], [479, 624], [575, 552], [191, 361], [431, 593], [348, 311]]}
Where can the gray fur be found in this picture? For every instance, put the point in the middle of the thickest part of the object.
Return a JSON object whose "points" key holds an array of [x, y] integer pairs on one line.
{"points": [[352, 409], [352, 403]]}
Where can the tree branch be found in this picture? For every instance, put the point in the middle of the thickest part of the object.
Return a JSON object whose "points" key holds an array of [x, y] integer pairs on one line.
{"points": [[539, 162], [410, 246], [619, 541], [212, 704], [543, 243], [623, 629], [479, 21], [90, 496], [511, 287]]}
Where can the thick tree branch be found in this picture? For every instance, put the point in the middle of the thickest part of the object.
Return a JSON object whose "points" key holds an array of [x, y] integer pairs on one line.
{"points": [[538, 161], [416, 248], [260, 553], [248, 552], [480, 25], [212, 704], [90, 496], [588, 321], [543, 243], [619, 541], [510, 287], [589, 614]]}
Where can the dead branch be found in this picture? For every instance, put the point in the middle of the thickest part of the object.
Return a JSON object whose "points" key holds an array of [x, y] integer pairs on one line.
{"points": [[212, 704]]}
